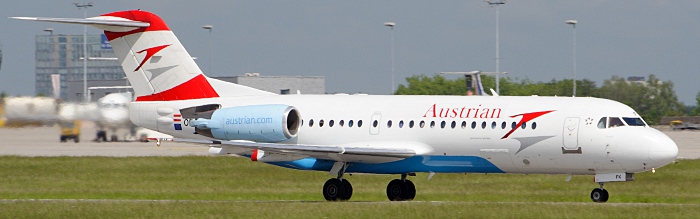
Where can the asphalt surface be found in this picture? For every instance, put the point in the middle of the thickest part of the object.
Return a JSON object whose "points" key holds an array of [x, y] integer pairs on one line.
{"points": [[44, 141]]}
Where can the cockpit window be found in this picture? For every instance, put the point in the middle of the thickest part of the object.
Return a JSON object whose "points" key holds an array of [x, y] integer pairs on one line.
{"points": [[615, 122], [634, 121], [602, 123]]}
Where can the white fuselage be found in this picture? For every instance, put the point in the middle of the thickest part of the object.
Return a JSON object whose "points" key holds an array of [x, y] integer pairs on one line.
{"points": [[537, 148]]}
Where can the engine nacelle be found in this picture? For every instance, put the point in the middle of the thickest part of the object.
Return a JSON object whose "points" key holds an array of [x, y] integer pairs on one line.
{"points": [[261, 123]]}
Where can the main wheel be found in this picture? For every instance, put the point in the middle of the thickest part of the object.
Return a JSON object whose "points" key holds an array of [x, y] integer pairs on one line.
{"points": [[411, 190], [334, 190], [599, 195], [397, 190], [348, 190]]}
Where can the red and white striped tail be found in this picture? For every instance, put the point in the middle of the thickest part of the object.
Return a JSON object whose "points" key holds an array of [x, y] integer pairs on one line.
{"points": [[156, 64]]}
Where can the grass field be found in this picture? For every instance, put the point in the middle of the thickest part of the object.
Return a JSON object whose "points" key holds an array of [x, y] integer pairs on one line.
{"points": [[224, 187]]}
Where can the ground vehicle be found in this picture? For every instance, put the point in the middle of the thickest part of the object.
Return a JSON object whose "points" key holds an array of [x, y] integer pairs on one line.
{"points": [[70, 130]]}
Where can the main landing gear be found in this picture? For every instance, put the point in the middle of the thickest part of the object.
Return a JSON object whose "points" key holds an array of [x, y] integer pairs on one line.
{"points": [[401, 189], [599, 194], [339, 189]]}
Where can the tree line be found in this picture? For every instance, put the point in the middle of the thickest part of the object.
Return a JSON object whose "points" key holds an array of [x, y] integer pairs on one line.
{"points": [[652, 98]]}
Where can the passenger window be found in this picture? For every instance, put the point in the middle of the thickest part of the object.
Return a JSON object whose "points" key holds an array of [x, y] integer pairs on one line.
{"points": [[330, 123], [432, 124], [483, 125], [388, 124], [375, 123], [513, 125], [534, 125], [311, 123], [454, 124], [493, 125], [523, 125], [410, 124], [350, 123], [442, 124], [602, 123], [341, 123], [615, 122], [359, 123], [320, 123], [422, 124], [401, 124], [464, 124], [473, 125], [634, 121], [503, 125]]}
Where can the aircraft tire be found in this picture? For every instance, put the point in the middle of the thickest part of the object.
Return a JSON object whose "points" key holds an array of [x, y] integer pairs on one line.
{"points": [[397, 190], [334, 190], [599, 195], [411, 190], [348, 190]]}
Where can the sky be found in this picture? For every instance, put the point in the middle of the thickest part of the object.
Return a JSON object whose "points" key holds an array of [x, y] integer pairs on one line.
{"points": [[348, 44]]}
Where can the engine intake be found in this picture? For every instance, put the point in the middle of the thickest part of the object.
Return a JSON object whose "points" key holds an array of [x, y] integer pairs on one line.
{"points": [[261, 123]]}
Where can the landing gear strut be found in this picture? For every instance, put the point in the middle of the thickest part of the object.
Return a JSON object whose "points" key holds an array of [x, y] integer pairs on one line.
{"points": [[338, 189], [401, 189], [599, 194]]}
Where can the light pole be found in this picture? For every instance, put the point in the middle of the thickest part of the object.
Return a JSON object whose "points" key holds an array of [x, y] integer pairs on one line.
{"points": [[391, 25], [210, 28], [498, 58], [573, 23], [84, 6]]}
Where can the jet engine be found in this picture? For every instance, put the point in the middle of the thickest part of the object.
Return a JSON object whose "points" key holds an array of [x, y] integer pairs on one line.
{"points": [[261, 123]]}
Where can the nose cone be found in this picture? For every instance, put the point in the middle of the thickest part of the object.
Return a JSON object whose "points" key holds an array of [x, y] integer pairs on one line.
{"points": [[114, 118], [662, 149]]}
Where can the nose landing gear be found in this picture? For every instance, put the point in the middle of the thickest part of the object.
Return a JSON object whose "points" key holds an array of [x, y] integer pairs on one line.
{"points": [[599, 195]]}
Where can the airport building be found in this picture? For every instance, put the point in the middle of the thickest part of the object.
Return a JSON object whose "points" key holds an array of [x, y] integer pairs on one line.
{"points": [[60, 56]]}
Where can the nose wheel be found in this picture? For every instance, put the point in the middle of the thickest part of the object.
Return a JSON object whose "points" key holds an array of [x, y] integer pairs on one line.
{"points": [[600, 195]]}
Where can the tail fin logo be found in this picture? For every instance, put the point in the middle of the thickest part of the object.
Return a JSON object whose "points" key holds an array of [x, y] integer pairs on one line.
{"points": [[149, 53]]}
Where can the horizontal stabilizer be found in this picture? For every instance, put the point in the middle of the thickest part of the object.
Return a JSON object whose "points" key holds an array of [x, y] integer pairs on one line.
{"points": [[155, 62], [106, 23]]}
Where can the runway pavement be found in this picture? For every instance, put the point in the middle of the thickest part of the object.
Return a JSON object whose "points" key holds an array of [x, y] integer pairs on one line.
{"points": [[44, 141]]}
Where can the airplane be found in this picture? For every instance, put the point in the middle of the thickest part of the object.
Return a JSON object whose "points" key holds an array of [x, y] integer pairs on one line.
{"points": [[376, 134], [113, 110], [110, 112], [473, 81]]}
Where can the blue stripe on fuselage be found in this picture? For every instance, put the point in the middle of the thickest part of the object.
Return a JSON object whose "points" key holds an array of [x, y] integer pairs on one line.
{"points": [[438, 164]]}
